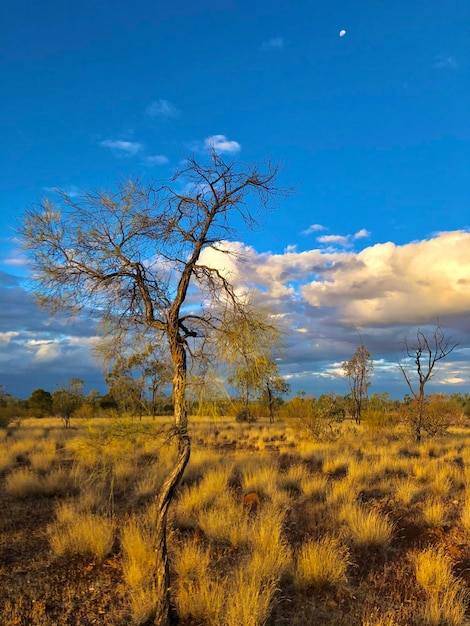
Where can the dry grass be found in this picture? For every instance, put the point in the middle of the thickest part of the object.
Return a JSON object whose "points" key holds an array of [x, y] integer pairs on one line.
{"points": [[433, 512], [138, 564], [406, 491], [446, 597], [322, 563], [77, 532], [283, 560], [24, 482], [369, 528], [446, 608]]}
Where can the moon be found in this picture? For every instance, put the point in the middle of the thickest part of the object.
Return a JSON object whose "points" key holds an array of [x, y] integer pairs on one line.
{"points": [[342, 33]]}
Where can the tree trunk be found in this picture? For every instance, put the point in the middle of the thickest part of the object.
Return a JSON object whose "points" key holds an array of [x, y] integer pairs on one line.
{"points": [[270, 403], [162, 575]]}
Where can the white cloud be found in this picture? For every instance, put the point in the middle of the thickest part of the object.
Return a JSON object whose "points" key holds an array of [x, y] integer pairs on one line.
{"points": [[343, 240], [122, 148], [361, 234], [162, 108], [275, 43], [157, 159], [6, 338], [339, 239], [221, 145], [386, 283], [47, 351], [313, 228], [445, 61], [326, 296]]}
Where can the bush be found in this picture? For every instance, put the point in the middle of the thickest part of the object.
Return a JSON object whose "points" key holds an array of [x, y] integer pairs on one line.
{"points": [[245, 416]]}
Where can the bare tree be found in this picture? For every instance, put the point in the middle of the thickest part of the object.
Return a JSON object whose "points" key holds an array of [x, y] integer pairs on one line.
{"points": [[132, 258], [425, 352], [358, 370]]}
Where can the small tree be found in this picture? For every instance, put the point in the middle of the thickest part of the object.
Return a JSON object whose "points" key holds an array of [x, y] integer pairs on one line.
{"points": [[247, 347], [272, 390], [358, 370], [134, 257], [425, 352], [67, 400], [40, 402]]}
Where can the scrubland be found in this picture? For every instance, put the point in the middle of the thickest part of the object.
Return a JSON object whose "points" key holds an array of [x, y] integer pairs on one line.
{"points": [[267, 527]]}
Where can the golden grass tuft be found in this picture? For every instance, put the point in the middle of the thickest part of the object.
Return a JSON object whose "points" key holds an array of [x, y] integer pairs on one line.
{"points": [[202, 600], [24, 482], [406, 491], [250, 600], [190, 560], [433, 512], [446, 597], [433, 569], [7, 459], [368, 528], [76, 532], [322, 563], [447, 608]]}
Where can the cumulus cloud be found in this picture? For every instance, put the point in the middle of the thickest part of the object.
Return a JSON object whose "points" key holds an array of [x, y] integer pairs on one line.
{"points": [[162, 109], [46, 351], [327, 298], [275, 43], [222, 145], [412, 283], [361, 234], [122, 148]]}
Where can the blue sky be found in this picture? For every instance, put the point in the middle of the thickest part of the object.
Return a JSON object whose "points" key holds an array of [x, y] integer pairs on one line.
{"points": [[371, 128]]}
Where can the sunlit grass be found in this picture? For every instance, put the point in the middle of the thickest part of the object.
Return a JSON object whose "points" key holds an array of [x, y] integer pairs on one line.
{"points": [[82, 533], [24, 482], [433, 512], [322, 563], [433, 568], [406, 491], [368, 528]]}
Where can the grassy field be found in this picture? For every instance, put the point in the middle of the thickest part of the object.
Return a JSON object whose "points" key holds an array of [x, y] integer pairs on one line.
{"points": [[268, 527]]}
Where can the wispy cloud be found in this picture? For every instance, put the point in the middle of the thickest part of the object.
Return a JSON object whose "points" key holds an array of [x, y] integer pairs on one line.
{"points": [[122, 148], [332, 239], [163, 109], [157, 159], [313, 228], [275, 43], [343, 240], [445, 62], [71, 190], [222, 145]]}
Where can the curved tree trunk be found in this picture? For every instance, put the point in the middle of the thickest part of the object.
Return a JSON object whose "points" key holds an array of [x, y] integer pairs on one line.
{"points": [[162, 575]]}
